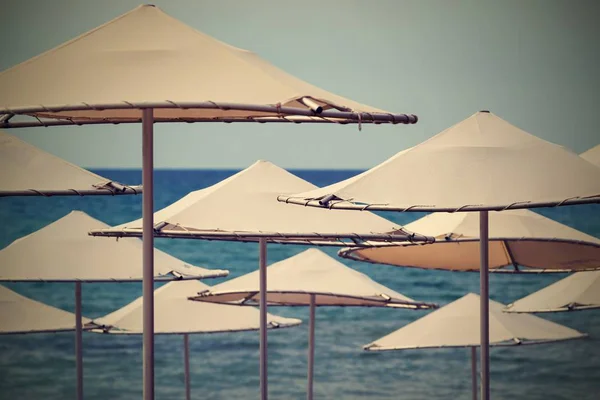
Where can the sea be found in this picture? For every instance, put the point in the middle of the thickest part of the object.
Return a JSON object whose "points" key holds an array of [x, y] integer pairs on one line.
{"points": [[225, 366]]}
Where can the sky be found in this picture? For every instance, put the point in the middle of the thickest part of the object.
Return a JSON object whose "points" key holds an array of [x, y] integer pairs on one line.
{"points": [[533, 63]]}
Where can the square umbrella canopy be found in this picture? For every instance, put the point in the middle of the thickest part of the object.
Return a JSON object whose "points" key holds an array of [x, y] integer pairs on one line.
{"points": [[520, 241], [175, 314], [592, 155], [29, 171], [109, 75], [311, 278], [457, 325]]}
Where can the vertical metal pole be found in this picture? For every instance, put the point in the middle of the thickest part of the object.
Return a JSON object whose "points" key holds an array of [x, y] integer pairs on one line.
{"points": [[264, 392], [474, 371], [186, 365], [484, 306], [148, 249], [311, 347], [78, 341]]}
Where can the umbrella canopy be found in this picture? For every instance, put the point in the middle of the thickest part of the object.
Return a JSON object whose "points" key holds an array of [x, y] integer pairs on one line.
{"points": [[518, 238], [580, 291], [19, 314], [294, 280], [481, 163], [104, 75], [246, 203], [175, 314], [63, 251], [457, 325], [592, 155], [29, 171]]}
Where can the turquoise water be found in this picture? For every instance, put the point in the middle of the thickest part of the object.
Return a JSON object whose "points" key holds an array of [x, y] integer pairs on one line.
{"points": [[225, 366]]}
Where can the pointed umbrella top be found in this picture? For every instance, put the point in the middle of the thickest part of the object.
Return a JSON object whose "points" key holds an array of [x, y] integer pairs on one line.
{"points": [[481, 163], [246, 203], [175, 314], [291, 282], [148, 58], [580, 291], [592, 155], [63, 251], [29, 171], [457, 325], [518, 238], [19, 314]]}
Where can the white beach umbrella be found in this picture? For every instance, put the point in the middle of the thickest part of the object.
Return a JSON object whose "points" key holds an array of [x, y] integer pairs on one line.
{"points": [[457, 325], [29, 171], [109, 75], [519, 241], [480, 164], [592, 155], [311, 278], [20, 314], [175, 314], [64, 252], [580, 291]]}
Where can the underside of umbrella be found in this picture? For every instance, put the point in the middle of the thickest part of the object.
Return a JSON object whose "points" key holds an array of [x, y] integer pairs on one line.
{"points": [[519, 241], [310, 274]]}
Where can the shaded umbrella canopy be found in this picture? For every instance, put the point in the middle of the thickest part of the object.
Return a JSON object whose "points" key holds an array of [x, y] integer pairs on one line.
{"points": [[592, 155], [518, 238], [482, 162], [175, 314], [19, 314], [247, 202], [457, 325], [63, 251], [118, 64], [580, 291], [27, 170], [292, 281]]}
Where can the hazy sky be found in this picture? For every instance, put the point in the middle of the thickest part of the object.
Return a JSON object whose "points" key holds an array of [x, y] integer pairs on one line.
{"points": [[533, 63]]}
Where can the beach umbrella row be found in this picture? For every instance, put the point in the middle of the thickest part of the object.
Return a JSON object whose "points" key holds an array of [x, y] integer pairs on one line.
{"points": [[100, 78], [244, 208], [64, 252], [480, 164]]}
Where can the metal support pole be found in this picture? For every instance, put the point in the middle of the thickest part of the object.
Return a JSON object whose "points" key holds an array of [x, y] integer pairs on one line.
{"points": [[263, 318], [474, 371], [148, 249], [485, 305], [186, 365], [311, 348], [78, 341]]}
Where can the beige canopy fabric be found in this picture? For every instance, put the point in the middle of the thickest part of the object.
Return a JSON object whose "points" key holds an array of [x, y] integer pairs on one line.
{"points": [[291, 282], [247, 203], [175, 314], [63, 251], [118, 64], [481, 163], [29, 171], [19, 314], [457, 325], [580, 291], [592, 155], [521, 240]]}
